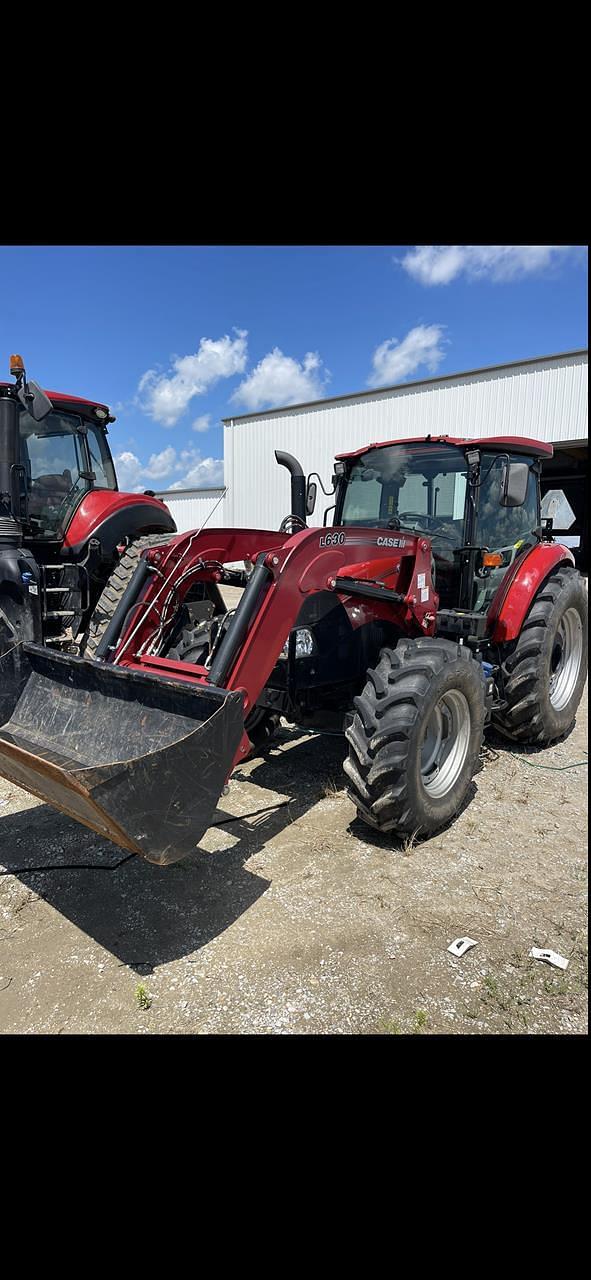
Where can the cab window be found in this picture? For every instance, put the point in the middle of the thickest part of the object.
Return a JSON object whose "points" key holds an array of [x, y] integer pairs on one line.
{"points": [[507, 530]]}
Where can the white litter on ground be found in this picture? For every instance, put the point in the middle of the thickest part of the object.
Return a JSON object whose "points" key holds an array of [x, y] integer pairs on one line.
{"points": [[461, 945], [551, 957]]}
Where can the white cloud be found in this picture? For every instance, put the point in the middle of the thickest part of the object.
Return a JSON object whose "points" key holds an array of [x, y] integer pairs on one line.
{"points": [[202, 474], [280, 380], [440, 263], [393, 360], [165, 396], [202, 423], [161, 464], [129, 470], [188, 466]]}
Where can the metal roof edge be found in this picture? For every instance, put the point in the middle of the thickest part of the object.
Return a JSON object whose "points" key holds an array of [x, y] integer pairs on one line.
{"points": [[405, 386], [167, 493]]}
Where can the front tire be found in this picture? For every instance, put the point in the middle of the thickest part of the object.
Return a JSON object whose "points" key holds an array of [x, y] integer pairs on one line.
{"points": [[415, 740], [544, 671], [113, 591]]}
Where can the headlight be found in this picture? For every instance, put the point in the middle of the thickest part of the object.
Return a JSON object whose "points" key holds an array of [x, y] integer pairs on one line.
{"points": [[305, 644]]}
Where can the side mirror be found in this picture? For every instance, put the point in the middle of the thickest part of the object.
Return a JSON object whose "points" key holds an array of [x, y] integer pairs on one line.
{"points": [[311, 491], [514, 483], [35, 401]]}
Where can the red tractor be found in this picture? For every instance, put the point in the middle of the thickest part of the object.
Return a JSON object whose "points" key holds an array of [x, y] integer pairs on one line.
{"points": [[69, 541], [436, 604]]}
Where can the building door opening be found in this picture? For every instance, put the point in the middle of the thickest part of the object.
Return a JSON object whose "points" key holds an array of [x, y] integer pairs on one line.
{"points": [[567, 470]]}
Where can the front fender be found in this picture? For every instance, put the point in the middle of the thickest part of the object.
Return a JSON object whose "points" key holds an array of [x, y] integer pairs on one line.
{"points": [[112, 516], [515, 595]]}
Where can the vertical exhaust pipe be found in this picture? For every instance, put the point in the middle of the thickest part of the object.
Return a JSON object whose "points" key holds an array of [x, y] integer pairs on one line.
{"points": [[298, 483], [10, 529]]}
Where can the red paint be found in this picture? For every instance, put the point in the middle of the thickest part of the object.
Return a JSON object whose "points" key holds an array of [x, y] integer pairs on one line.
{"points": [[519, 444], [98, 504], [298, 565], [60, 400], [509, 607]]}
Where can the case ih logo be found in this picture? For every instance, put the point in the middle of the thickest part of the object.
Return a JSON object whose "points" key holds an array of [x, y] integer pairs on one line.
{"points": [[332, 540], [391, 542]]}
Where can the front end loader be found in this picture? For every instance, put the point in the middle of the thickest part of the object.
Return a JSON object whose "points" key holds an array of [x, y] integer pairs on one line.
{"points": [[436, 604]]}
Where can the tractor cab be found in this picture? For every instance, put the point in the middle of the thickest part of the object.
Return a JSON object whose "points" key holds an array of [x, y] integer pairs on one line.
{"points": [[476, 500], [62, 458], [64, 525]]}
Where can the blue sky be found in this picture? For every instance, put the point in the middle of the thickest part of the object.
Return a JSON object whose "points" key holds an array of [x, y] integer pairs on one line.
{"points": [[175, 338]]}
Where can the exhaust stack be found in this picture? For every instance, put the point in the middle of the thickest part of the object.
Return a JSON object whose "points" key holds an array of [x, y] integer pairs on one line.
{"points": [[298, 483], [10, 529]]}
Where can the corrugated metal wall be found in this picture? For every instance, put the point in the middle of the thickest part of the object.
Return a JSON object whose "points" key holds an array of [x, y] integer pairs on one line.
{"points": [[190, 508], [546, 399]]}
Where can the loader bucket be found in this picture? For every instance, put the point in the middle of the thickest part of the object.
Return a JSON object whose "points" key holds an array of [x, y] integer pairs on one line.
{"points": [[139, 758]]}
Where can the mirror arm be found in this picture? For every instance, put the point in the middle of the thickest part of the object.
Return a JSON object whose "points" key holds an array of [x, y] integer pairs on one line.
{"points": [[328, 493]]}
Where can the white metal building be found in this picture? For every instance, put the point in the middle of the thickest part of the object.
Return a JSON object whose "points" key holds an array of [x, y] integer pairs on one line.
{"points": [[544, 397], [192, 508]]}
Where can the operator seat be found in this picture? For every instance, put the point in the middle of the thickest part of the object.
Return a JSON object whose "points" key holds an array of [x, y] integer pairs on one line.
{"points": [[49, 488]]}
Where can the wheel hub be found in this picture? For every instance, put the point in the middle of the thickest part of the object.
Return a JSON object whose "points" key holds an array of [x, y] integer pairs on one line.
{"points": [[565, 662], [445, 743]]}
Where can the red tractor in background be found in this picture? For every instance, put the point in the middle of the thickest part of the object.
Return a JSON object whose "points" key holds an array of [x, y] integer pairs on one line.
{"points": [[436, 604], [69, 540]]}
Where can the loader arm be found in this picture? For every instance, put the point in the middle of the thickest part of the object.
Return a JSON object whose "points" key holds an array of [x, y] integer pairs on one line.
{"points": [[287, 569]]}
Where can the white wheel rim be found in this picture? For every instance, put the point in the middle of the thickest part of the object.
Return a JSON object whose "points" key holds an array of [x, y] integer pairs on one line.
{"points": [[565, 659], [445, 743]]}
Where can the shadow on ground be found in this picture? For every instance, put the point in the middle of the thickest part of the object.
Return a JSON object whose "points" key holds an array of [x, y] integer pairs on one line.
{"points": [[146, 915]]}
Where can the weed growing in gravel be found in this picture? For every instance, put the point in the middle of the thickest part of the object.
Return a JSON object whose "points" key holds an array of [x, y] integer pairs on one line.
{"points": [[420, 1019], [556, 986], [508, 1003], [144, 1000], [409, 843], [388, 1027]]}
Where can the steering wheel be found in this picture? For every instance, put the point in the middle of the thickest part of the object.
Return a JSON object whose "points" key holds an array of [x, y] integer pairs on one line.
{"points": [[291, 520], [432, 520]]}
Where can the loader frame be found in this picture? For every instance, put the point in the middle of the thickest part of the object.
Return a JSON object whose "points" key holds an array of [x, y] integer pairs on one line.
{"points": [[374, 575]]}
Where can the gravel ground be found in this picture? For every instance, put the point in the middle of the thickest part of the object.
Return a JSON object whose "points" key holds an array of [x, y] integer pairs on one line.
{"points": [[298, 919]]}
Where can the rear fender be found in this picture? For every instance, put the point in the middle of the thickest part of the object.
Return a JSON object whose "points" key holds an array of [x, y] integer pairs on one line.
{"points": [[519, 586], [111, 517]]}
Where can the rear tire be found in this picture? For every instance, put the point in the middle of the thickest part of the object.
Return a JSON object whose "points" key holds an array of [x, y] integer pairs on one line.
{"points": [[544, 671], [113, 591], [16, 624], [416, 737]]}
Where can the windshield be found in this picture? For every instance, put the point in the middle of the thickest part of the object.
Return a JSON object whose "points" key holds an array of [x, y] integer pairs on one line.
{"points": [[57, 456], [420, 487]]}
